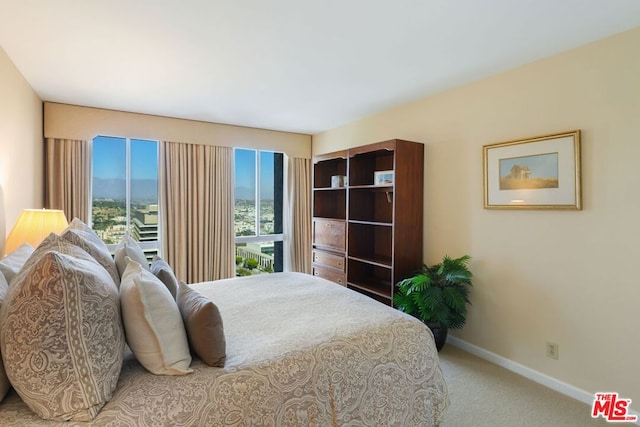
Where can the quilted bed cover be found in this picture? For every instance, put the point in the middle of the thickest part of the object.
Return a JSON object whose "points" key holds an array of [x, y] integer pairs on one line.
{"points": [[301, 351]]}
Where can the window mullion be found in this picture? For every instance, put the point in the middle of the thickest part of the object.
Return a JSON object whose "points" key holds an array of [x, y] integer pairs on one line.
{"points": [[257, 194], [128, 184]]}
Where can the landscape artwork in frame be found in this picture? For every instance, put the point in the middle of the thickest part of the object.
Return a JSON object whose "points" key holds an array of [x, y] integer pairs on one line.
{"points": [[383, 177], [534, 173]]}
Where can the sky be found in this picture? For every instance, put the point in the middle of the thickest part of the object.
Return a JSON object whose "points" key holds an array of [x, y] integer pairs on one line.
{"points": [[245, 171], [109, 163], [109, 158]]}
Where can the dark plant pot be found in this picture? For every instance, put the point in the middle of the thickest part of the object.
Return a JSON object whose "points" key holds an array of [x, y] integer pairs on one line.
{"points": [[439, 334]]}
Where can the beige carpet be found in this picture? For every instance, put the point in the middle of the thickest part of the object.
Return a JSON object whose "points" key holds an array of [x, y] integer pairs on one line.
{"points": [[484, 394]]}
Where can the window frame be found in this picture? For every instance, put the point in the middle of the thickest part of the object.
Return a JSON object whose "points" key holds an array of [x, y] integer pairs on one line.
{"points": [[276, 237], [145, 245]]}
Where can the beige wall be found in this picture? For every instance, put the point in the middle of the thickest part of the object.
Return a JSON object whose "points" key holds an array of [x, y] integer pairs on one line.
{"points": [[21, 146], [563, 276], [75, 122]]}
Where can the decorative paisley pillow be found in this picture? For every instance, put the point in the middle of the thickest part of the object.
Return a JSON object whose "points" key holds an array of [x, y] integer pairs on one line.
{"points": [[55, 243], [82, 235], [62, 339]]}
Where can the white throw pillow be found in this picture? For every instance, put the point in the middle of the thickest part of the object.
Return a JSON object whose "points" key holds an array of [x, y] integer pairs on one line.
{"points": [[129, 248], [152, 323], [12, 263], [4, 287]]}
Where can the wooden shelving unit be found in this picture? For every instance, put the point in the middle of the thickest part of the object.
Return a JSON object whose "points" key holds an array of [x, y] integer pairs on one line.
{"points": [[368, 236]]}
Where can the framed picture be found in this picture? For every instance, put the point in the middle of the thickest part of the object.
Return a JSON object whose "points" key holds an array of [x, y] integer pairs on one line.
{"points": [[534, 173], [383, 178]]}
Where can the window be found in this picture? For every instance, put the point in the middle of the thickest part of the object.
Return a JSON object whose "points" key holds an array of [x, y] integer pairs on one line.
{"points": [[258, 211], [125, 191]]}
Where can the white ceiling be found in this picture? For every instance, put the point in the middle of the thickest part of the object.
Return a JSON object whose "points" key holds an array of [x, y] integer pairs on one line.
{"points": [[294, 65]]}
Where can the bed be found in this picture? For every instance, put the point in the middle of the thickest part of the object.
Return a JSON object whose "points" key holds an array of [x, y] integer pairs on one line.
{"points": [[301, 351]]}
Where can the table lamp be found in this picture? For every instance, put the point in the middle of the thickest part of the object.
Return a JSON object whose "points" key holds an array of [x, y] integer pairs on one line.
{"points": [[33, 226]]}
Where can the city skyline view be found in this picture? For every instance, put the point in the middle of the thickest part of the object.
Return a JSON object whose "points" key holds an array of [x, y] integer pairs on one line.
{"points": [[109, 189]]}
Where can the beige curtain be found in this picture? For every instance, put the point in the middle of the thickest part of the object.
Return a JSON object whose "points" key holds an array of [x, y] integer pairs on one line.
{"points": [[196, 205], [298, 221], [68, 177]]}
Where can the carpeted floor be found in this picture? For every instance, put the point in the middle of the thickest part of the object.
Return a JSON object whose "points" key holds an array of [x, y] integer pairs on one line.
{"points": [[483, 394]]}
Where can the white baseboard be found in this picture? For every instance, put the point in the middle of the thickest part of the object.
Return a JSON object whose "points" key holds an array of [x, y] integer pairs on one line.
{"points": [[532, 374]]}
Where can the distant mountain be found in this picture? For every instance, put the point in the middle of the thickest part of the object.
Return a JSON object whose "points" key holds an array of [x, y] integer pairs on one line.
{"points": [[145, 190], [244, 193]]}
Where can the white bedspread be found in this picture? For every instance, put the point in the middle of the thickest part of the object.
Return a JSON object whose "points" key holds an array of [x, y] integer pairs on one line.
{"points": [[301, 351]]}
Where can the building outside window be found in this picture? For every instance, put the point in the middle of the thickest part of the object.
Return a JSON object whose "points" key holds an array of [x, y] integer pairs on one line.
{"points": [[258, 211], [125, 191]]}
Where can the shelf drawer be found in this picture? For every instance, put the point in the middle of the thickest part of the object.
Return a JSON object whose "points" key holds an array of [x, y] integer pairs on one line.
{"points": [[329, 233], [329, 274], [329, 260]]}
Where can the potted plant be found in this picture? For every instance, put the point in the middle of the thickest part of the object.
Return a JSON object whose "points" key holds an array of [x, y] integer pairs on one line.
{"points": [[437, 295]]}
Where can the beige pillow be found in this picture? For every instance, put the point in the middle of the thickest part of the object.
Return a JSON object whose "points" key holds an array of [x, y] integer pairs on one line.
{"points": [[162, 270], [204, 325], [12, 263], [82, 235], [61, 339], [129, 248], [152, 323]]}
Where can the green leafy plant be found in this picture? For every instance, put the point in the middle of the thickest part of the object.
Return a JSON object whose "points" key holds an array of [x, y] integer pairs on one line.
{"points": [[437, 294], [250, 263], [241, 271]]}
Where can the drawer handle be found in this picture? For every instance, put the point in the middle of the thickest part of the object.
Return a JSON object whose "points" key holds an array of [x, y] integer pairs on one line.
{"points": [[340, 281], [339, 263], [316, 258], [327, 224], [315, 273]]}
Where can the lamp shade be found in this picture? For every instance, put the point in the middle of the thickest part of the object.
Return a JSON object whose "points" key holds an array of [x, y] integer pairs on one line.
{"points": [[33, 226]]}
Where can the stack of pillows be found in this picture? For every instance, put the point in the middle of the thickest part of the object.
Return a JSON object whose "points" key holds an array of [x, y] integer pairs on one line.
{"points": [[68, 306]]}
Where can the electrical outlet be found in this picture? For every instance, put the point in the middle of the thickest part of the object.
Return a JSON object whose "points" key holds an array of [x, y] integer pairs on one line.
{"points": [[553, 350]]}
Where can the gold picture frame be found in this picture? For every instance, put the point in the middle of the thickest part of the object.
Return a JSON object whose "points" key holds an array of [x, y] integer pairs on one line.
{"points": [[534, 173]]}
